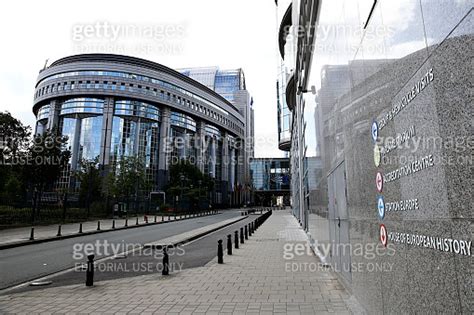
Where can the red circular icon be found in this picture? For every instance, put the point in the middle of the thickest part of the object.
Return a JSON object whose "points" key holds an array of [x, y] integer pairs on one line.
{"points": [[383, 235], [379, 182]]}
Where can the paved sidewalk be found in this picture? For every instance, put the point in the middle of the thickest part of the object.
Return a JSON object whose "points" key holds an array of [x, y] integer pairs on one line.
{"points": [[255, 280]]}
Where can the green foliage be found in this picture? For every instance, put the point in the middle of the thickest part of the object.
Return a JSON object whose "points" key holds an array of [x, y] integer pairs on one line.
{"points": [[14, 139], [14, 136], [129, 179], [90, 180], [12, 190], [188, 183], [46, 157]]}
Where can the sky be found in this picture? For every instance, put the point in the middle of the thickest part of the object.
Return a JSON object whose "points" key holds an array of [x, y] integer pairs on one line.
{"points": [[178, 34]]}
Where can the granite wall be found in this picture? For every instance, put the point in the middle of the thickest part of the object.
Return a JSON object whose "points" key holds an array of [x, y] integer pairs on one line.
{"points": [[399, 147]]}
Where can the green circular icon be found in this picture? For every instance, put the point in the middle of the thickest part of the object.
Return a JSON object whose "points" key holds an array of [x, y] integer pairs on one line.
{"points": [[376, 155]]}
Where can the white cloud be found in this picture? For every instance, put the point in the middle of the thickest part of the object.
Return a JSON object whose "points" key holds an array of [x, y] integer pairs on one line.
{"points": [[229, 34]]}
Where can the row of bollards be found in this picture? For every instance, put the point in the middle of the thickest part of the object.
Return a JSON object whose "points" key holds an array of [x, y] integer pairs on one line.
{"points": [[186, 215], [245, 232]]}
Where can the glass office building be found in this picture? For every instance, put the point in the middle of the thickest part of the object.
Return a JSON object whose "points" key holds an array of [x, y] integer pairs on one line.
{"points": [[230, 84], [390, 120], [113, 106], [271, 181]]}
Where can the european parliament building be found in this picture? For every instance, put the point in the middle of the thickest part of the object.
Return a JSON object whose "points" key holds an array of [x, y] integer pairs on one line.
{"points": [[113, 106]]}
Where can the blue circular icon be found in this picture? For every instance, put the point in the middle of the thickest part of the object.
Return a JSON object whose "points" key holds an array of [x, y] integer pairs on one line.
{"points": [[381, 207], [375, 131]]}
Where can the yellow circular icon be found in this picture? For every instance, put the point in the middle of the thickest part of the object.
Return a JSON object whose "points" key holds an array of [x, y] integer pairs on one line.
{"points": [[376, 155]]}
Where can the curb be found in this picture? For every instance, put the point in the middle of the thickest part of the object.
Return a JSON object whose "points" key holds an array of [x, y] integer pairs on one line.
{"points": [[192, 238], [63, 237]]}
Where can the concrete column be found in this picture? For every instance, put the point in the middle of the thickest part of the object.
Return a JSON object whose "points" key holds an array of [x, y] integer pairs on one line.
{"points": [[53, 119], [76, 144], [199, 143], [225, 158], [106, 138], [232, 169], [213, 156], [136, 142], [165, 148], [225, 169]]}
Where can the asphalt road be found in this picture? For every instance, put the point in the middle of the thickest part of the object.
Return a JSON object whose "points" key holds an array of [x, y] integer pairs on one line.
{"points": [[21, 264], [194, 254]]}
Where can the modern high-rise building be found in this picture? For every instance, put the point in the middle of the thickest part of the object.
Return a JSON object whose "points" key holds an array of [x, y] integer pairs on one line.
{"points": [[113, 106], [231, 85], [392, 213]]}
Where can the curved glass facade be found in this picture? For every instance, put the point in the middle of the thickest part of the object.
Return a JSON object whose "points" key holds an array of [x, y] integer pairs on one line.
{"points": [[108, 118], [136, 109], [123, 87], [82, 105], [43, 112], [284, 68]]}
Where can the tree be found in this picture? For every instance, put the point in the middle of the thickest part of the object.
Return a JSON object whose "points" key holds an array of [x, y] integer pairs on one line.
{"points": [[14, 138], [129, 180], [90, 181], [47, 156], [188, 182]]}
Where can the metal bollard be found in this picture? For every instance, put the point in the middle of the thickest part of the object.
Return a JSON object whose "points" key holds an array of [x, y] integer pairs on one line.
{"points": [[162, 218], [136, 221], [32, 234], [90, 271], [236, 239], [246, 232], [220, 252], [242, 235], [166, 262], [113, 224], [250, 229], [126, 222], [169, 217], [229, 244], [59, 230], [146, 219], [80, 228], [98, 225], [155, 218]]}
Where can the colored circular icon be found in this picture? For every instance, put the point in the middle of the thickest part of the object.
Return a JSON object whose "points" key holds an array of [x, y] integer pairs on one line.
{"points": [[383, 235], [377, 155], [381, 207], [374, 130], [379, 182]]}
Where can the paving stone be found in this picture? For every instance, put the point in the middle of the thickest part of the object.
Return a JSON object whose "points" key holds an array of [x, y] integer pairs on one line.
{"points": [[252, 281]]}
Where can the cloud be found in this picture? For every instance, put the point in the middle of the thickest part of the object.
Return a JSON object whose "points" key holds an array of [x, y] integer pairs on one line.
{"points": [[229, 34]]}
